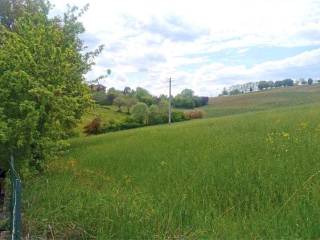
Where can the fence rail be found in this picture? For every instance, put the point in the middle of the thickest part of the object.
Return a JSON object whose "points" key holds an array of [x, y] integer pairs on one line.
{"points": [[15, 202]]}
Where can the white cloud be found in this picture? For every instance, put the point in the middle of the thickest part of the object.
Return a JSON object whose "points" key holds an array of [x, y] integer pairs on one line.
{"points": [[149, 40], [216, 75]]}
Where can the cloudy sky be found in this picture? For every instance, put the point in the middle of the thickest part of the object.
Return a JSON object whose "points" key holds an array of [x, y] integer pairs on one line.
{"points": [[202, 44]]}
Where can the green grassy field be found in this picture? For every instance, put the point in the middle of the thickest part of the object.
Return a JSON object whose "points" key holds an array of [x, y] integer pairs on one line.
{"points": [[258, 101], [248, 176]]}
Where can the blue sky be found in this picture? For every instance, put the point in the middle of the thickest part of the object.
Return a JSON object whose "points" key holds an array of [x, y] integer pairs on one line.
{"points": [[204, 45]]}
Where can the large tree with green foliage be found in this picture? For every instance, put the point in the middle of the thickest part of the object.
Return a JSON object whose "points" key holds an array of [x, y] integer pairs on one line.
{"points": [[42, 88]]}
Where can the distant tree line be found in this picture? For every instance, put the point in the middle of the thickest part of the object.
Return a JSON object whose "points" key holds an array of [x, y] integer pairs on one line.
{"points": [[270, 84], [264, 85], [128, 97]]}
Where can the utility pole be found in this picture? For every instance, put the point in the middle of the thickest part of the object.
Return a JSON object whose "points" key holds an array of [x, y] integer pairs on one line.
{"points": [[169, 100]]}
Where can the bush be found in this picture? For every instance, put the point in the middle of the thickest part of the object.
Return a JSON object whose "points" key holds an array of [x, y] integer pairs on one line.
{"points": [[42, 89], [140, 113], [157, 116], [183, 102], [177, 116], [129, 125], [94, 127], [113, 126], [195, 114]]}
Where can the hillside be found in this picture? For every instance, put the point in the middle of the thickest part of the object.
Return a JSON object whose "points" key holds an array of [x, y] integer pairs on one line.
{"points": [[257, 101], [247, 176], [106, 113]]}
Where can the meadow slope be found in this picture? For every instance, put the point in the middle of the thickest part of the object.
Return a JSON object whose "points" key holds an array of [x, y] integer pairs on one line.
{"points": [[246, 176], [264, 100]]}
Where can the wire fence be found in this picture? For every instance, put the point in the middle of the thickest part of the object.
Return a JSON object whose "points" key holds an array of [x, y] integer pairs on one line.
{"points": [[15, 202]]}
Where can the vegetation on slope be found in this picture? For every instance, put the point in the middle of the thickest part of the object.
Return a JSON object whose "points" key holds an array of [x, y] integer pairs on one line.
{"points": [[252, 175], [105, 113]]}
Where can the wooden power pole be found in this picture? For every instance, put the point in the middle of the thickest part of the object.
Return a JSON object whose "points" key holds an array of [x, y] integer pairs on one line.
{"points": [[170, 100]]}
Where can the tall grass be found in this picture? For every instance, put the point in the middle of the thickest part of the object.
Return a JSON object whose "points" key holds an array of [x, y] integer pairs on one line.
{"points": [[245, 176]]}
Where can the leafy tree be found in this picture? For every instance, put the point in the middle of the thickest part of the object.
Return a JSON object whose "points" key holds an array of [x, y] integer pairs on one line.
{"points": [[140, 113], [144, 96], [42, 89], [224, 92], [164, 107], [111, 95], [270, 84], [263, 85], [129, 102], [127, 91], [200, 101], [119, 102], [310, 81], [187, 93], [278, 84], [197, 101], [288, 82], [155, 116], [12, 10], [181, 101]]}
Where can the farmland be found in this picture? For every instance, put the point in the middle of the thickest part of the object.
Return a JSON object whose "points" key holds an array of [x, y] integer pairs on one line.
{"points": [[250, 175], [108, 127], [264, 100]]}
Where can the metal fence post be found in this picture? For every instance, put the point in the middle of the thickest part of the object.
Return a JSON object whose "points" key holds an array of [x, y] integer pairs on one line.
{"points": [[15, 203]]}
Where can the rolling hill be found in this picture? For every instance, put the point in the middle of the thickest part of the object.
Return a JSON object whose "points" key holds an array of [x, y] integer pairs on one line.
{"points": [[252, 175], [264, 100]]}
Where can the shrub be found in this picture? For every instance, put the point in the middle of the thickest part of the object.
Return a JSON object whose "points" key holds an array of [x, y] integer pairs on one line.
{"points": [[156, 115], [178, 116], [94, 127], [140, 113], [129, 125], [43, 93], [111, 126], [195, 114]]}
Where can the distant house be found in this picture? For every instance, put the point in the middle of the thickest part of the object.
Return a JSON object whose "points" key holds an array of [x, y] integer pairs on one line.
{"points": [[97, 88]]}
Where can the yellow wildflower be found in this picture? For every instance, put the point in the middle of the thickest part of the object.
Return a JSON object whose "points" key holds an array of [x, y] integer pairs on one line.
{"points": [[303, 125], [72, 163], [285, 135], [163, 163]]}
